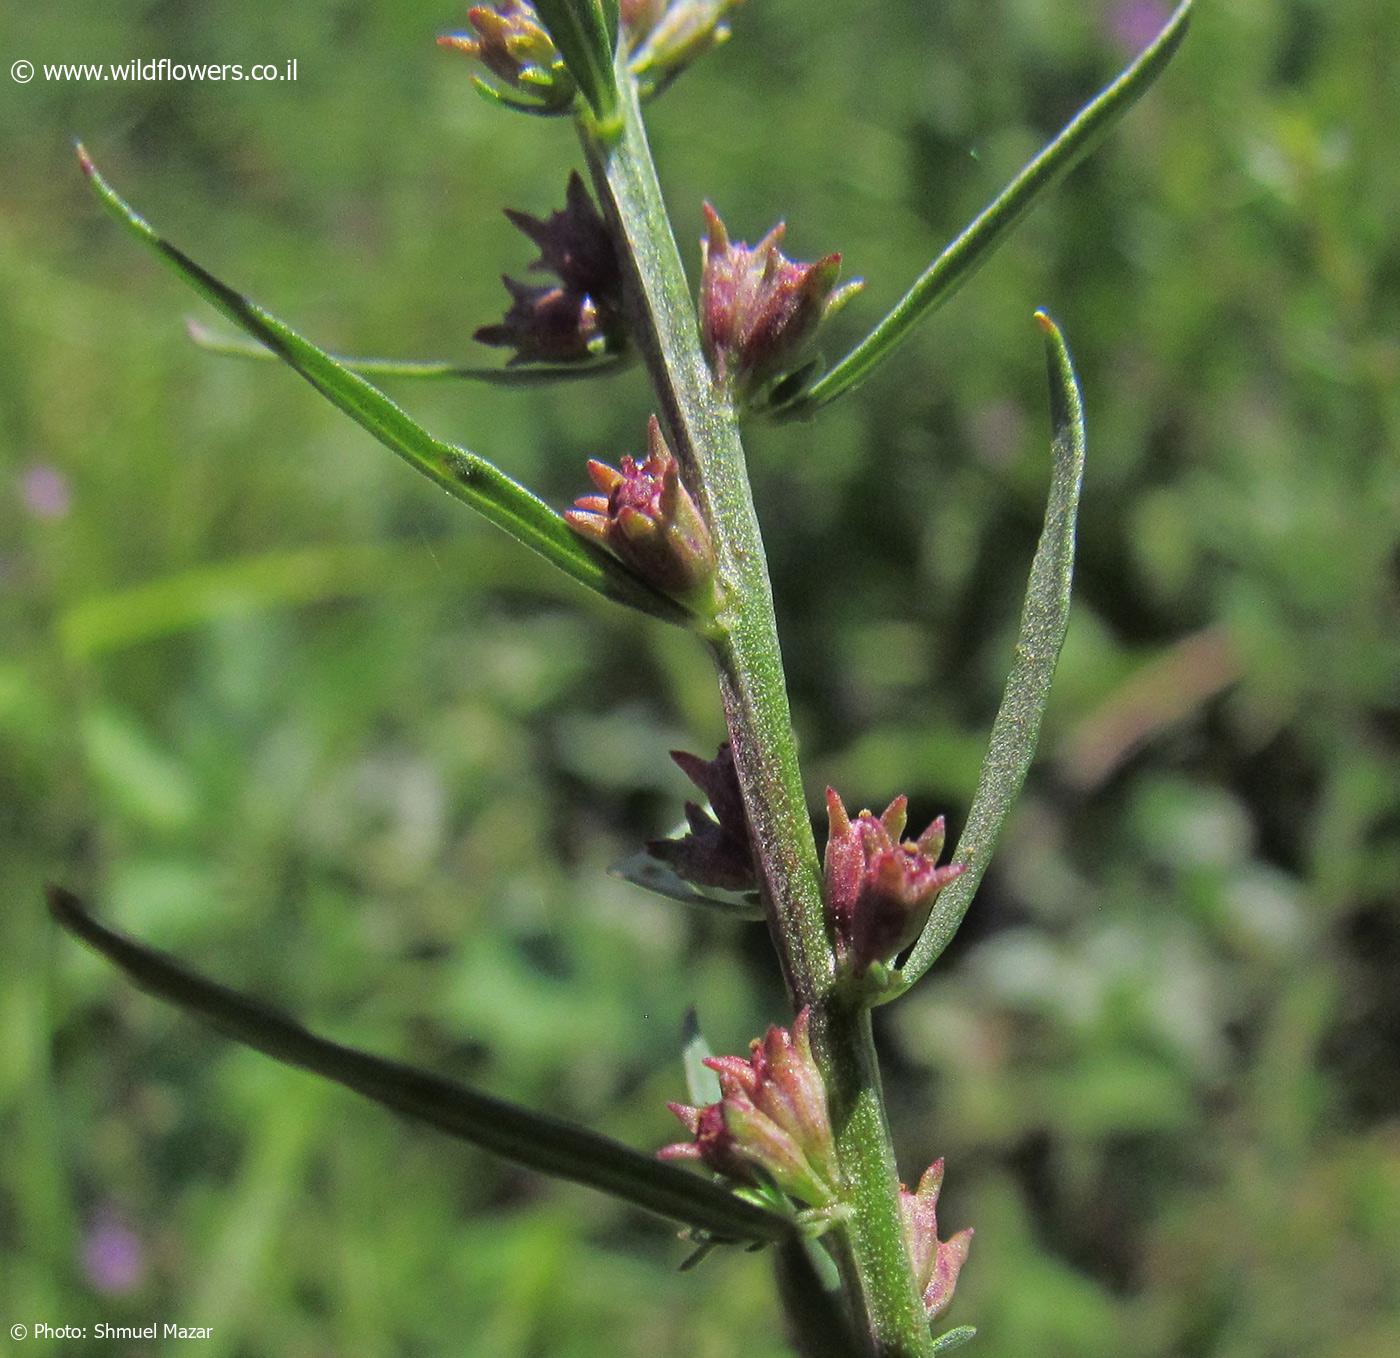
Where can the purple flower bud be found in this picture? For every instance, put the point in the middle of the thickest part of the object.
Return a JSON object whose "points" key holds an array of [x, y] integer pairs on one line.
{"points": [[515, 47], [547, 324], [646, 516], [574, 243], [879, 888], [770, 1121], [758, 308], [936, 1262], [718, 851], [580, 317]]}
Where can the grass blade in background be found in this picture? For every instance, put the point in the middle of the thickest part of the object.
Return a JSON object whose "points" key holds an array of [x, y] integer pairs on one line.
{"points": [[1044, 617], [975, 245], [535, 1140], [469, 478]]}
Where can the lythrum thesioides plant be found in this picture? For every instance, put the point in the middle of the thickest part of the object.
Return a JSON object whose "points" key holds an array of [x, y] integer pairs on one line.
{"points": [[791, 1141]]}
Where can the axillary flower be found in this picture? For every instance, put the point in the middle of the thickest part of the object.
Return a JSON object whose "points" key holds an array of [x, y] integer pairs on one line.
{"points": [[579, 317], [880, 888], [936, 1262], [771, 1122], [645, 515], [514, 46], [718, 849], [758, 308]]}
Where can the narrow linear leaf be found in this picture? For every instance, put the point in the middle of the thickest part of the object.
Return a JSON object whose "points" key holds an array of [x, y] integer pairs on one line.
{"points": [[701, 1083], [975, 245], [230, 346], [954, 1339], [612, 20], [1044, 617], [535, 1140], [463, 474], [651, 874], [581, 32]]}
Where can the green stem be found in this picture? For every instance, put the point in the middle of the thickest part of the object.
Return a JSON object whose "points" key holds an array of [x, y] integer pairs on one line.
{"points": [[704, 434]]}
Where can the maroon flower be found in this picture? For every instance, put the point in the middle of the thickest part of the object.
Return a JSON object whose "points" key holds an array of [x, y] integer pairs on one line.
{"points": [[574, 243], [515, 47], [646, 516], [936, 1262], [757, 307], [879, 888], [546, 325], [771, 1119], [578, 318], [717, 852]]}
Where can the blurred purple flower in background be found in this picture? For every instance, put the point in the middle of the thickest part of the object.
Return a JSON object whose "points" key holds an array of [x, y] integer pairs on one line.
{"points": [[114, 1259], [45, 492], [1134, 23]]}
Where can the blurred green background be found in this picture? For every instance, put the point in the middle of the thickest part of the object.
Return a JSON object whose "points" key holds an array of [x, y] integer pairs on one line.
{"points": [[285, 709]]}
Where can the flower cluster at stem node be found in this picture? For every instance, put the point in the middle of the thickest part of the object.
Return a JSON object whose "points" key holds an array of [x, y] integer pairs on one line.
{"points": [[515, 47], [771, 1122], [579, 317], [717, 851], [936, 1262], [880, 888], [644, 514], [758, 309]]}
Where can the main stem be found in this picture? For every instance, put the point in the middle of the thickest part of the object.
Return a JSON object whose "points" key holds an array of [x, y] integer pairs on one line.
{"points": [[704, 434]]}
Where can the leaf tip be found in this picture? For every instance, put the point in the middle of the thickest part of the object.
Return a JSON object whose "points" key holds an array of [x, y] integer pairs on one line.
{"points": [[1046, 323], [84, 160], [64, 906]]}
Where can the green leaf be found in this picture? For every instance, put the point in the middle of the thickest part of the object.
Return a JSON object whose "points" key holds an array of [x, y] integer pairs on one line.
{"points": [[642, 870], [701, 1083], [581, 32], [954, 1339], [975, 245], [430, 369], [612, 19], [1044, 617], [463, 474], [535, 1140]]}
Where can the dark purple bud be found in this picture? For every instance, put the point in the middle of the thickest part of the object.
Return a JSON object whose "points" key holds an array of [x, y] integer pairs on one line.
{"points": [[580, 318], [879, 888], [718, 851], [936, 1262], [547, 324], [645, 515], [574, 243], [758, 308]]}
